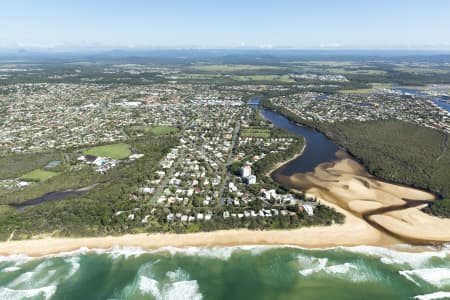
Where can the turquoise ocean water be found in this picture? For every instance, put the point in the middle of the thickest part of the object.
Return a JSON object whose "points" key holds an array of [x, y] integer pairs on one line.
{"points": [[251, 272]]}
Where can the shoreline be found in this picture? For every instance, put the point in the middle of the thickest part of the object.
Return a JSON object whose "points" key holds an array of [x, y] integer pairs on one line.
{"points": [[354, 232], [298, 122], [280, 164], [379, 204]]}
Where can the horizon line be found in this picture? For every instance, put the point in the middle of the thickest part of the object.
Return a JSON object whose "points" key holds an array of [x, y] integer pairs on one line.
{"points": [[187, 48]]}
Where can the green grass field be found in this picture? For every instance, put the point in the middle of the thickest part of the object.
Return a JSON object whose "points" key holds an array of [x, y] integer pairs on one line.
{"points": [[14, 165], [114, 151], [38, 175], [160, 130], [255, 132]]}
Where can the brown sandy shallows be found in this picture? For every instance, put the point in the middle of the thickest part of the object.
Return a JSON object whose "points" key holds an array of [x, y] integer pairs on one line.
{"points": [[415, 224], [347, 184]]}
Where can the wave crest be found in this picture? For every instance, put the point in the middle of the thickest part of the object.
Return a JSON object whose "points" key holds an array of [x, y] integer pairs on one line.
{"points": [[12, 294], [438, 277], [432, 296]]}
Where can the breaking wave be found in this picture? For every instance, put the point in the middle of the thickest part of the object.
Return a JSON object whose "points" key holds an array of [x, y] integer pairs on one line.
{"points": [[162, 274], [353, 271], [187, 289], [17, 294], [432, 296], [438, 277], [173, 285], [409, 258]]}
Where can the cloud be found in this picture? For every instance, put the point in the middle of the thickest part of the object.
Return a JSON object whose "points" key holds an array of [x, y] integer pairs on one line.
{"points": [[331, 45], [266, 46]]}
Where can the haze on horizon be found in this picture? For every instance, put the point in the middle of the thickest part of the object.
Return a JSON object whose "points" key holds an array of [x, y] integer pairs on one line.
{"points": [[135, 24]]}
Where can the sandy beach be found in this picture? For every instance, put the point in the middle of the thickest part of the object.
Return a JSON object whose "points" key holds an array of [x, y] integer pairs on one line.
{"points": [[354, 232], [344, 185], [415, 225]]}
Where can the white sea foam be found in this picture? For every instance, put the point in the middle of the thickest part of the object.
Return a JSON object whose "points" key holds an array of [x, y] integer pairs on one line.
{"points": [[149, 286], [390, 256], [12, 294], [75, 265], [314, 264], [432, 296], [352, 271], [321, 265], [125, 252], [11, 269], [340, 269], [178, 284], [41, 276], [17, 259], [177, 275], [188, 290], [23, 278], [386, 255], [438, 277], [223, 253], [115, 252], [44, 265], [143, 283]]}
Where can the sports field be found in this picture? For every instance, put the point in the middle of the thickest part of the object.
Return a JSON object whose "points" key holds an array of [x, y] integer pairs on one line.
{"points": [[114, 151], [38, 175]]}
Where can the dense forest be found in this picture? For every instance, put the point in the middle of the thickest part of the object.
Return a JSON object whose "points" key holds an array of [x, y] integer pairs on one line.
{"points": [[400, 152]]}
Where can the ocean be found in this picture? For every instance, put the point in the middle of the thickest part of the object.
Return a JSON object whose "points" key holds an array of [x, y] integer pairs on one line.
{"points": [[250, 272]]}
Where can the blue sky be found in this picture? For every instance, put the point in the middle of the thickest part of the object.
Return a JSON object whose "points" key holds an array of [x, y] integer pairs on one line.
{"points": [[346, 24]]}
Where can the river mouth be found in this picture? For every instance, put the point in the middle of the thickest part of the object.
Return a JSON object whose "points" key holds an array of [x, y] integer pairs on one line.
{"points": [[329, 172]]}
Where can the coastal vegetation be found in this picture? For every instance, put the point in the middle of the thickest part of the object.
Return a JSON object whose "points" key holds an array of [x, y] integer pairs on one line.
{"points": [[69, 179], [255, 132], [100, 210], [160, 130], [15, 165], [189, 122], [139, 130], [393, 150], [400, 152], [90, 214]]}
